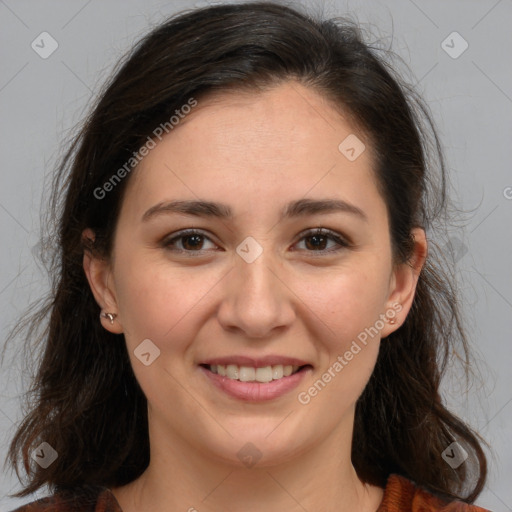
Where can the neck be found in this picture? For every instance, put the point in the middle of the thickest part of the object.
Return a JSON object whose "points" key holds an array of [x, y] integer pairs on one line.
{"points": [[182, 477]]}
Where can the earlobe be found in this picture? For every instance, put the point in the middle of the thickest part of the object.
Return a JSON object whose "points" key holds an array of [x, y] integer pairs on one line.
{"points": [[98, 273], [404, 280]]}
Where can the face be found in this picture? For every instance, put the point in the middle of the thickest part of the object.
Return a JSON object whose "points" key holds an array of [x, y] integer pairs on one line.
{"points": [[258, 288]]}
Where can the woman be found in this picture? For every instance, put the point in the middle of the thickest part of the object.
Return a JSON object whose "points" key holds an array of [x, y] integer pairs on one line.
{"points": [[244, 313]]}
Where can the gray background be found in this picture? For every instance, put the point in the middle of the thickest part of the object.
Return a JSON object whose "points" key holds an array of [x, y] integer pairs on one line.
{"points": [[471, 99]]}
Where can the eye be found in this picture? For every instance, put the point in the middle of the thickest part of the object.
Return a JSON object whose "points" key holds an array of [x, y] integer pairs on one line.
{"points": [[190, 241], [317, 239]]}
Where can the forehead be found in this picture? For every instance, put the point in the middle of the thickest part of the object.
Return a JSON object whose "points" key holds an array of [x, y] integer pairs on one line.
{"points": [[289, 116], [284, 140]]}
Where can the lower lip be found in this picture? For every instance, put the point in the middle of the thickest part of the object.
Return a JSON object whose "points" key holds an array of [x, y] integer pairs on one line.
{"points": [[256, 391]]}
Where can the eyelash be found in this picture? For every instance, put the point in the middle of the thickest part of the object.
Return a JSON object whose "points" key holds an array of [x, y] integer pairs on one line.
{"points": [[330, 235]]}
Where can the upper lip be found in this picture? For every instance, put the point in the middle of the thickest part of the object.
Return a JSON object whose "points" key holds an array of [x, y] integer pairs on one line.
{"points": [[256, 362]]}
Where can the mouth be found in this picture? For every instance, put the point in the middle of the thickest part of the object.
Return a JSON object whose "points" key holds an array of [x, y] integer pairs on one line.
{"points": [[262, 374], [255, 383]]}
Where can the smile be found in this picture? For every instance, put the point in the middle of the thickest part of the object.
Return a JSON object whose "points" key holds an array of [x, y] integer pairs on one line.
{"points": [[255, 384], [250, 374]]}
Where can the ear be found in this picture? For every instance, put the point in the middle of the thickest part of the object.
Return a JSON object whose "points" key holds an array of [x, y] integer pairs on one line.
{"points": [[99, 275], [403, 283]]}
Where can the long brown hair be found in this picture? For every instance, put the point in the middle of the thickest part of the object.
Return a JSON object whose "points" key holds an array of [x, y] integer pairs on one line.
{"points": [[85, 401]]}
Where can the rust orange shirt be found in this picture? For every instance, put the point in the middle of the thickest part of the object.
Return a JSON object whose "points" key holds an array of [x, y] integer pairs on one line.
{"points": [[400, 495]]}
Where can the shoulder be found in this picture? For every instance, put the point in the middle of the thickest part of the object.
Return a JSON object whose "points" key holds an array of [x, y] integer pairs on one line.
{"points": [[97, 499], [402, 495]]}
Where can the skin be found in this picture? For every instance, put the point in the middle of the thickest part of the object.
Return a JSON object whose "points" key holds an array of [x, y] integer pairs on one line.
{"points": [[254, 152]]}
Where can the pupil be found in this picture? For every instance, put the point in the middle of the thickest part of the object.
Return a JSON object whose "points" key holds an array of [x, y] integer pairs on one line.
{"points": [[317, 237], [194, 244]]}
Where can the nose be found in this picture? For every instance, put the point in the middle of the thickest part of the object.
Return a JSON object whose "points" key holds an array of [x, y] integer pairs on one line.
{"points": [[256, 300]]}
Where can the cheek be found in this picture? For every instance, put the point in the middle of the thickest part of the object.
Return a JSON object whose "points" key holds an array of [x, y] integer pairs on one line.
{"points": [[347, 300], [155, 300], [350, 308], [349, 305]]}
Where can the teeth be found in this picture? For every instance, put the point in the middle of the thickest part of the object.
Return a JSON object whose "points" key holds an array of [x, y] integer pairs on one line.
{"points": [[246, 374], [249, 374], [263, 374], [232, 371], [277, 371]]}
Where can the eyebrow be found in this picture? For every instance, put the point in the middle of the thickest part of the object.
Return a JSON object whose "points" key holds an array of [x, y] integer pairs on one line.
{"points": [[299, 208]]}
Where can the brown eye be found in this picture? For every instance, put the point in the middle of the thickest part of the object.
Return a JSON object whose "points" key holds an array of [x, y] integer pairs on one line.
{"points": [[317, 241], [187, 241], [192, 242]]}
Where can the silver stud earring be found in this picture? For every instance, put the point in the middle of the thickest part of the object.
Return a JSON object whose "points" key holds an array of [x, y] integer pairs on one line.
{"points": [[110, 316]]}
